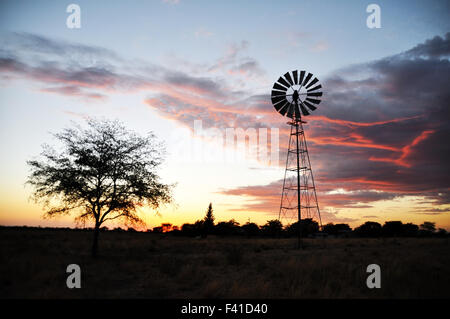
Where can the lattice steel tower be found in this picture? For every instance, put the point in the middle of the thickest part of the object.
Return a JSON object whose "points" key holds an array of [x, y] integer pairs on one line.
{"points": [[294, 95]]}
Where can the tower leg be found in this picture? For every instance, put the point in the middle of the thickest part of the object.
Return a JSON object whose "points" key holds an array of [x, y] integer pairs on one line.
{"points": [[299, 219]]}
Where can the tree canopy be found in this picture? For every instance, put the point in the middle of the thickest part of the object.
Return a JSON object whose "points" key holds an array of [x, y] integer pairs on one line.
{"points": [[102, 171]]}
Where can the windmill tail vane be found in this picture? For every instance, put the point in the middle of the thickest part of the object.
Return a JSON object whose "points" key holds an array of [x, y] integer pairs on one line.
{"points": [[294, 95]]}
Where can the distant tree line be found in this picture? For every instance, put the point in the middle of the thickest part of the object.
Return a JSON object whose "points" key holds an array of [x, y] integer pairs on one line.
{"points": [[309, 228], [274, 228]]}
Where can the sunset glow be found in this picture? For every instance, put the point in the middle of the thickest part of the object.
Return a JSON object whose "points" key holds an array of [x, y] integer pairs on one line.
{"points": [[378, 141]]}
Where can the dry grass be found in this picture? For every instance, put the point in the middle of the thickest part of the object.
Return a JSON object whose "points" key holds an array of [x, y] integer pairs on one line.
{"points": [[136, 265]]}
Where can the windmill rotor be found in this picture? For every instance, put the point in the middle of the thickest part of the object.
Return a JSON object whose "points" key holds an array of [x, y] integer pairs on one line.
{"points": [[296, 93]]}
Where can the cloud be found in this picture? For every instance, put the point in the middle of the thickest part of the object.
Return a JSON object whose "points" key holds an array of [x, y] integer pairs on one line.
{"points": [[432, 211], [79, 70], [234, 63], [437, 47], [91, 72], [247, 67], [20, 42], [203, 33], [73, 91]]}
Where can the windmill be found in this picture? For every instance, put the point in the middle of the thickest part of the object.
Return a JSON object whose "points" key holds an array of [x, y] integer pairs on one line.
{"points": [[296, 94]]}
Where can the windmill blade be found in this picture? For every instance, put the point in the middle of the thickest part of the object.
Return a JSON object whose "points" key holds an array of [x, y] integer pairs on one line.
{"points": [[288, 77], [314, 94], [297, 111], [283, 82], [295, 75], [308, 77], [312, 83], [304, 110], [278, 93], [279, 87], [284, 108], [279, 105], [315, 88], [310, 106], [313, 100], [302, 76], [278, 99]]}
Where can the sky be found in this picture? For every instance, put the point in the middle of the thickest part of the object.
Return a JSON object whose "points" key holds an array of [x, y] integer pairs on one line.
{"points": [[378, 142]]}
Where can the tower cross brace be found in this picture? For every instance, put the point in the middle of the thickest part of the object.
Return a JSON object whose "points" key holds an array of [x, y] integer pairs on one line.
{"points": [[299, 192]]}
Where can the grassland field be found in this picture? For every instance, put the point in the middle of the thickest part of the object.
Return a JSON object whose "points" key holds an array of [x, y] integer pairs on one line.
{"points": [[144, 265]]}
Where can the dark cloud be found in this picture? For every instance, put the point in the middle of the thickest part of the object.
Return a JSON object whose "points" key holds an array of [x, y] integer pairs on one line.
{"points": [[437, 47]]}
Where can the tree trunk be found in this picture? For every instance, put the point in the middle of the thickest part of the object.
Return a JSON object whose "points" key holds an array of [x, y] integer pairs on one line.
{"points": [[95, 243]]}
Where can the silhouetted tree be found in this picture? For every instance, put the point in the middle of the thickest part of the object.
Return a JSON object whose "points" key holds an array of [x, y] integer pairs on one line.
{"points": [[188, 229], [250, 229], [157, 230], [368, 229], [427, 228], [175, 231], [198, 228], [410, 230], [329, 229], [208, 221], [272, 228], [228, 228], [308, 227], [337, 229], [102, 172], [392, 229]]}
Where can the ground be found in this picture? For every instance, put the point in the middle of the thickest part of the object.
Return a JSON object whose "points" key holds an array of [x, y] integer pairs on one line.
{"points": [[143, 265]]}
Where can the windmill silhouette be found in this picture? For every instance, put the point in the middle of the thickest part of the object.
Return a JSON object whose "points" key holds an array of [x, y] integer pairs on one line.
{"points": [[296, 94]]}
